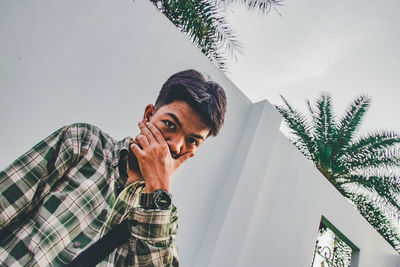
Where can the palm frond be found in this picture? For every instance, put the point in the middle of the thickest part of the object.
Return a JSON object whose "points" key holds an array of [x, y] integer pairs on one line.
{"points": [[311, 110], [380, 222], [364, 146], [386, 187], [365, 170], [378, 158], [204, 25], [378, 140], [299, 125], [263, 6], [350, 122], [324, 125], [341, 253], [294, 122], [302, 147]]}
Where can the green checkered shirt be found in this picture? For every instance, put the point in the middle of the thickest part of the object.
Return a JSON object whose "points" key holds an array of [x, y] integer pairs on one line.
{"points": [[67, 192]]}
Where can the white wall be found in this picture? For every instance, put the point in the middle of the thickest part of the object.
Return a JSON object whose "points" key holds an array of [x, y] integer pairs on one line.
{"points": [[274, 214], [102, 61]]}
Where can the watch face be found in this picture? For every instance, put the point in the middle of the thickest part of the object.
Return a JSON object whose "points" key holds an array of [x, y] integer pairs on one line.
{"points": [[162, 200]]}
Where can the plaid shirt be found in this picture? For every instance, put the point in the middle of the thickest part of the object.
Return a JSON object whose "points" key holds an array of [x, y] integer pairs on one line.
{"points": [[67, 192]]}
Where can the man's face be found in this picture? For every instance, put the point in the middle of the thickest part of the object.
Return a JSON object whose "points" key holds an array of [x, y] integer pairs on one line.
{"points": [[182, 128]]}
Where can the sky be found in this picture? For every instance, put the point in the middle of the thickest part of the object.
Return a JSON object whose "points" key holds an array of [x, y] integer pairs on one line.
{"points": [[313, 46]]}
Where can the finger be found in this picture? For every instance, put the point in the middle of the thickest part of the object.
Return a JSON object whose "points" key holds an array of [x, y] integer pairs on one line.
{"points": [[142, 141], [156, 133], [183, 158], [146, 132], [136, 150]]}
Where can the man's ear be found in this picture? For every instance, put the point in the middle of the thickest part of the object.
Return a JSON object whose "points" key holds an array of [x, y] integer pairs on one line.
{"points": [[148, 112]]}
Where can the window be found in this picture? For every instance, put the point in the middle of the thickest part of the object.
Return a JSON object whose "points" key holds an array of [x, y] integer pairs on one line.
{"points": [[332, 248]]}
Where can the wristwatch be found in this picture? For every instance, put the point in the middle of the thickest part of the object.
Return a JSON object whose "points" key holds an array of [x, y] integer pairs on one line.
{"points": [[159, 199]]}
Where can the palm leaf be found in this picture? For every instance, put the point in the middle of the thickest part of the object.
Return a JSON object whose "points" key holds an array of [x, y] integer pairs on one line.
{"points": [[325, 129], [204, 24], [295, 123], [312, 112], [324, 121], [387, 187], [263, 6], [341, 253], [378, 140], [350, 122], [300, 127], [380, 222], [302, 147], [378, 158], [362, 170]]}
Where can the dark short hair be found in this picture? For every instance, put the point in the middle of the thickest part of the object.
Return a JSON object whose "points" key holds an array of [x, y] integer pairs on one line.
{"points": [[207, 98]]}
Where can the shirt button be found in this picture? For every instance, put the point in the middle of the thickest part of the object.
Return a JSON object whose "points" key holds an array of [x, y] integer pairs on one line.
{"points": [[104, 212], [76, 244]]}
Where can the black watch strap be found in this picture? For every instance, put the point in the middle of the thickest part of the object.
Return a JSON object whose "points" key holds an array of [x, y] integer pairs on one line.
{"points": [[159, 199], [147, 201]]}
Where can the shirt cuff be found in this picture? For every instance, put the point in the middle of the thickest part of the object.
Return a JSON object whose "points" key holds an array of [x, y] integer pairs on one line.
{"points": [[150, 225]]}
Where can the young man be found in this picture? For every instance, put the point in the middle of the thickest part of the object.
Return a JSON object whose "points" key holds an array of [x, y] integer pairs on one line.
{"points": [[80, 197]]}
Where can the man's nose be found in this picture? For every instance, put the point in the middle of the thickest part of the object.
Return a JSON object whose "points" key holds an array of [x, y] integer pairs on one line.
{"points": [[175, 145]]}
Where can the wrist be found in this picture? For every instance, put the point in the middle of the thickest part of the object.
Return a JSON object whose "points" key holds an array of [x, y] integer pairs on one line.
{"points": [[152, 187]]}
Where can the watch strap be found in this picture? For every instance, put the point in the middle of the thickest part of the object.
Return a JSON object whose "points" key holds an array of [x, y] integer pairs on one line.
{"points": [[147, 201]]}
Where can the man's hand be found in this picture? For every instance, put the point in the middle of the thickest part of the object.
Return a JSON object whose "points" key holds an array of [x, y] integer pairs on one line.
{"points": [[156, 163]]}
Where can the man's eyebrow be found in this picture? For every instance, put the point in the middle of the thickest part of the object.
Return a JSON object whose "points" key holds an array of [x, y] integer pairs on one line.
{"points": [[175, 118], [198, 136]]}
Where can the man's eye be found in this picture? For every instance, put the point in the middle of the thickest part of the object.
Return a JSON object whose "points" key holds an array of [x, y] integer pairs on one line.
{"points": [[193, 141], [169, 124]]}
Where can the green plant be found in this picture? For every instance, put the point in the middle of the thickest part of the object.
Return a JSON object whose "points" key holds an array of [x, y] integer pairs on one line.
{"points": [[204, 22], [364, 169]]}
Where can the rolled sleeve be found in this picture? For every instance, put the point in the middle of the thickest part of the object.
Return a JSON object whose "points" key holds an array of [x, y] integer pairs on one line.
{"points": [[153, 232], [152, 225]]}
